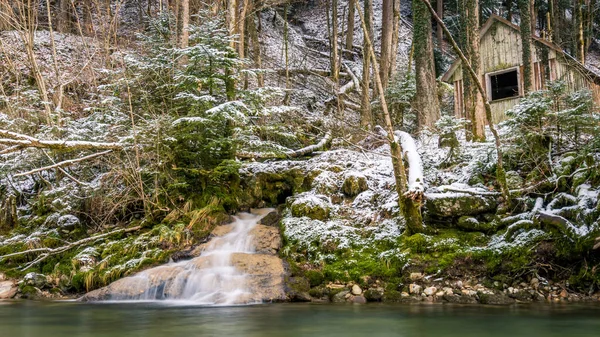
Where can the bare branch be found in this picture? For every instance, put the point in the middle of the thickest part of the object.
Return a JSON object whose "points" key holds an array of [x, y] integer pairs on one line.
{"points": [[62, 164]]}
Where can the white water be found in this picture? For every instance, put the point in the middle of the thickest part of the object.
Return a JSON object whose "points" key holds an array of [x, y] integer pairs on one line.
{"points": [[210, 279]]}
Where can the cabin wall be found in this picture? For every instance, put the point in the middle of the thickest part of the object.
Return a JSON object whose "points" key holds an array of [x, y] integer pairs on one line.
{"points": [[501, 49]]}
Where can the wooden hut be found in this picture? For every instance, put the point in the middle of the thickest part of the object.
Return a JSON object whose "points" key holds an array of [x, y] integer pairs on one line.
{"points": [[502, 68]]}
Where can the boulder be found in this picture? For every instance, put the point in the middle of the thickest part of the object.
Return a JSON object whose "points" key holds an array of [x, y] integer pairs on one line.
{"points": [[356, 290], [8, 289], [359, 299], [68, 222], [374, 294], [430, 291], [36, 280], [458, 204], [469, 223], [340, 297], [264, 280], [414, 288], [271, 220], [316, 207], [497, 298], [354, 184], [297, 289]]}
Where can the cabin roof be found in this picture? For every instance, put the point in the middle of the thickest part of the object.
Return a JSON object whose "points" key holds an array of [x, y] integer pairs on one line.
{"points": [[495, 18]]}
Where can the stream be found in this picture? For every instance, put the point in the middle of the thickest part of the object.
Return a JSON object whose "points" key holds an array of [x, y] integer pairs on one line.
{"points": [[148, 319]]}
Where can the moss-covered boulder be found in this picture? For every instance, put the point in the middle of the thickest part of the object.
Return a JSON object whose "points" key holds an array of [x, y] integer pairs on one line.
{"points": [[458, 204], [316, 207], [470, 223], [354, 184]]}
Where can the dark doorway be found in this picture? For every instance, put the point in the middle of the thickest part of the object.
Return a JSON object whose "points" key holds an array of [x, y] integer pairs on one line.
{"points": [[504, 85]]}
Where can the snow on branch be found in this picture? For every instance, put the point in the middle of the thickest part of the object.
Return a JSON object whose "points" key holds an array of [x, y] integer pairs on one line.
{"points": [[47, 252], [16, 141], [62, 164], [290, 154]]}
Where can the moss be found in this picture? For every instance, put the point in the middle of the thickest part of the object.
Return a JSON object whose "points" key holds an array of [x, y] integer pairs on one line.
{"points": [[314, 277]]}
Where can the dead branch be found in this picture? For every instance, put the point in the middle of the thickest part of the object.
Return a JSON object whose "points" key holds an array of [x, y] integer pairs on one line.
{"points": [[47, 252], [62, 164], [16, 141], [307, 71], [290, 154]]}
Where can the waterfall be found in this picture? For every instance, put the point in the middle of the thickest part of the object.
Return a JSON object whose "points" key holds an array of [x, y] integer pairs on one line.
{"points": [[209, 279]]}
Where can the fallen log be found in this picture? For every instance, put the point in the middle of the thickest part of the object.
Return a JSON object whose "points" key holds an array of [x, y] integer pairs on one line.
{"points": [[16, 141], [288, 154]]}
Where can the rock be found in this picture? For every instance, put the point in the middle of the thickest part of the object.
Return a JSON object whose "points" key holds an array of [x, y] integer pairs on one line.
{"points": [[8, 289], [297, 289], [514, 180], [316, 207], [340, 297], [374, 294], [264, 276], [535, 283], [564, 294], [414, 288], [458, 299], [448, 291], [2, 277], [416, 276], [404, 294], [271, 220], [458, 204], [495, 298], [430, 291], [36, 280], [468, 292], [356, 290], [359, 299], [266, 240], [521, 295], [440, 294], [469, 223], [68, 222], [354, 184]]}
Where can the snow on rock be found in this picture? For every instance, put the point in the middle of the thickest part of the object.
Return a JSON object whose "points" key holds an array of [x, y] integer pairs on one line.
{"points": [[415, 166], [453, 204]]}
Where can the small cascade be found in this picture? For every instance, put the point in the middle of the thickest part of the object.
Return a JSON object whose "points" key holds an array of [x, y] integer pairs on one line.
{"points": [[209, 279]]}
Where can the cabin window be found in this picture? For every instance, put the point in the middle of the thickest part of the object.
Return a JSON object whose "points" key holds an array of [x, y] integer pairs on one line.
{"points": [[504, 84]]}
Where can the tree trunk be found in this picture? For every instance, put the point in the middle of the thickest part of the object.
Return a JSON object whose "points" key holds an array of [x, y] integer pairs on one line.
{"points": [[365, 102], [500, 173], [555, 22], [439, 32], [185, 23], [426, 100], [395, 39], [473, 102], [387, 24], [524, 7], [335, 69], [242, 29], [350, 30], [409, 208], [252, 31]]}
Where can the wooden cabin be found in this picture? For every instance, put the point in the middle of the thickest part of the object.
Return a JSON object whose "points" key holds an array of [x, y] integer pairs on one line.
{"points": [[502, 68]]}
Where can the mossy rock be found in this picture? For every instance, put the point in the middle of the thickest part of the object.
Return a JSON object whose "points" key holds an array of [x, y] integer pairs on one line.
{"points": [[469, 223], [354, 184], [316, 207], [458, 204]]}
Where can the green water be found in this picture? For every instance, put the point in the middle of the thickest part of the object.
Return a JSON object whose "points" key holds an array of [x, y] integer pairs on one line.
{"points": [[50, 319]]}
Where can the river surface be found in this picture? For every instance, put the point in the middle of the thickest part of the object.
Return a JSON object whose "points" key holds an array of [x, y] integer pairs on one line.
{"points": [[149, 319]]}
